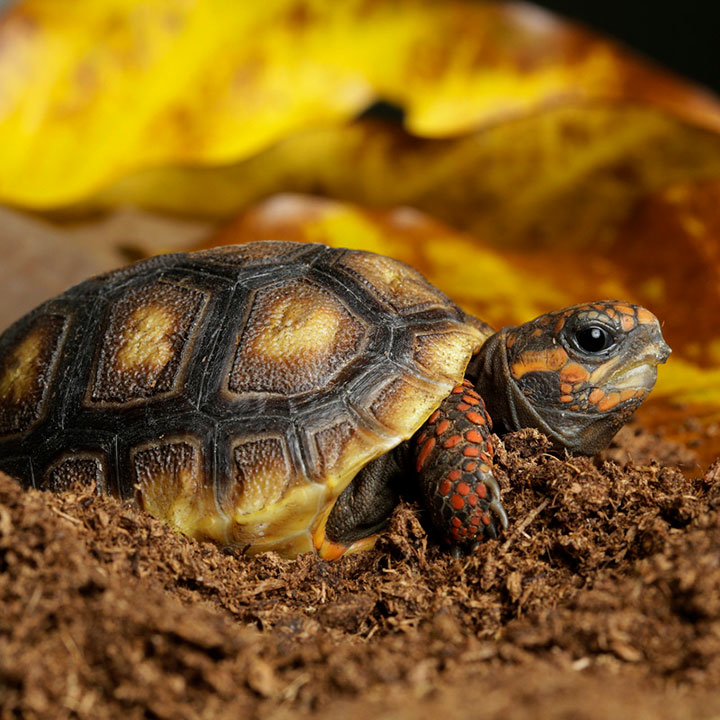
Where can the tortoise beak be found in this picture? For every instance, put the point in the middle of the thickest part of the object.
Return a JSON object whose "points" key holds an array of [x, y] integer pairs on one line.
{"points": [[662, 352]]}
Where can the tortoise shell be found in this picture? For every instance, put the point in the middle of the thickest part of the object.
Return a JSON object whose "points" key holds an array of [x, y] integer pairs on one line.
{"points": [[236, 391]]}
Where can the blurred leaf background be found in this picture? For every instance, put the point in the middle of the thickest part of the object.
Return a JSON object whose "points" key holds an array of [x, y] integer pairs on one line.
{"points": [[520, 161]]}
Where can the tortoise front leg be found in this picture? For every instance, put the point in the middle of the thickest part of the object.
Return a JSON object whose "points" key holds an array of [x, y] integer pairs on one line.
{"points": [[453, 458]]}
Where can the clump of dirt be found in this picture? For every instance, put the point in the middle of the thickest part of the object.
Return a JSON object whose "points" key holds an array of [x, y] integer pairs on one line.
{"points": [[603, 599]]}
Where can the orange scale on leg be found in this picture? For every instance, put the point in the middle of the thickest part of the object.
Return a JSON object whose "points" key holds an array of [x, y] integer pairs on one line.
{"points": [[481, 490], [425, 450], [463, 488], [457, 502], [442, 427], [471, 451], [474, 436], [470, 466], [472, 499]]}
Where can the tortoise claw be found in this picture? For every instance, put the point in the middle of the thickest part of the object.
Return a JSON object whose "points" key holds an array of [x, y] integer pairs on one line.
{"points": [[499, 511]]}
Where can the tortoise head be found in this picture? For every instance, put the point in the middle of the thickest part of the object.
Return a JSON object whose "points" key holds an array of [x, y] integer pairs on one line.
{"points": [[576, 374]]}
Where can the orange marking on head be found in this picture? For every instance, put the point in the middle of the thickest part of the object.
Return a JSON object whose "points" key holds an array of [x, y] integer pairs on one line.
{"points": [[566, 388], [475, 417], [452, 441], [425, 450], [627, 322], [573, 373], [608, 402], [474, 436], [627, 394], [566, 398], [645, 317], [442, 426], [548, 360], [510, 341], [559, 325], [610, 313], [537, 332], [624, 308], [595, 395]]}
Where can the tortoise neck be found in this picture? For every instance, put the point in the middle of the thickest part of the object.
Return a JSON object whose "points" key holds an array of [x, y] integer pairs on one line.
{"points": [[509, 409]]}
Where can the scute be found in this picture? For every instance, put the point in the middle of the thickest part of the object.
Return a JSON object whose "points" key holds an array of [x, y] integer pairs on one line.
{"points": [[145, 342], [297, 339], [445, 353], [171, 484], [27, 366], [263, 473], [397, 284], [82, 468], [401, 401]]}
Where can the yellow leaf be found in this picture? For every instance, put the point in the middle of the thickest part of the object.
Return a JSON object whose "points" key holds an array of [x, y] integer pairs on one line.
{"points": [[564, 177], [92, 91]]}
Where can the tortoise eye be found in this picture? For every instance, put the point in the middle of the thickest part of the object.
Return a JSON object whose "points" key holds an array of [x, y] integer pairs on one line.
{"points": [[594, 338]]}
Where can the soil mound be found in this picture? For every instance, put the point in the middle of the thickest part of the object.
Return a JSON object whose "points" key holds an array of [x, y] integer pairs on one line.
{"points": [[602, 600]]}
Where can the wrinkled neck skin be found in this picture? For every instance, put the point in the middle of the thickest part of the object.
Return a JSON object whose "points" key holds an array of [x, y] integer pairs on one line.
{"points": [[510, 410]]}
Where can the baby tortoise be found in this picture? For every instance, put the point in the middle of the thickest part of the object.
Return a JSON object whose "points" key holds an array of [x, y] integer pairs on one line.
{"points": [[282, 396]]}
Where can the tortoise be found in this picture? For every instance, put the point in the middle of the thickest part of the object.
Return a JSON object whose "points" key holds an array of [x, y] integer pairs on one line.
{"points": [[283, 396]]}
